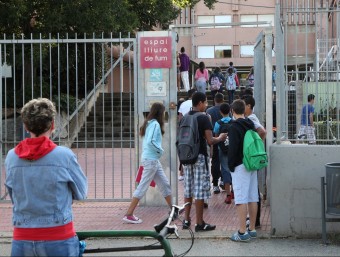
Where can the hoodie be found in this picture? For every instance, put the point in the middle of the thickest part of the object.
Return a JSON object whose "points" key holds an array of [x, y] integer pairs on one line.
{"points": [[34, 148], [236, 134]]}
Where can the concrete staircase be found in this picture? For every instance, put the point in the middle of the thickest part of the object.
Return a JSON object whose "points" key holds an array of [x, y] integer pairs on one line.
{"points": [[109, 124]]}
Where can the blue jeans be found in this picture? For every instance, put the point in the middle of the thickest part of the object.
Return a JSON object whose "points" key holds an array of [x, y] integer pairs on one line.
{"points": [[231, 96], [201, 86], [224, 167], [68, 247]]}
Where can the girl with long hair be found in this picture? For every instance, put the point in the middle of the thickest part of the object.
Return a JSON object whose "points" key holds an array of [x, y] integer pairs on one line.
{"points": [[152, 131], [201, 78]]}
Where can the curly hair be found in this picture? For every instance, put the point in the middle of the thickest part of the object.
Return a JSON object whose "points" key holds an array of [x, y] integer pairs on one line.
{"points": [[38, 115]]}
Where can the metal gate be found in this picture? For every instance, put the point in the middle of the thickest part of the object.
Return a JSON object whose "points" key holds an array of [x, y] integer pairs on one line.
{"points": [[308, 62], [92, 83]]}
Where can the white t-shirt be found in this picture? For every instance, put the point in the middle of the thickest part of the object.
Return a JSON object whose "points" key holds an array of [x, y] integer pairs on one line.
{"points": [[185, 107], [256, 121]]}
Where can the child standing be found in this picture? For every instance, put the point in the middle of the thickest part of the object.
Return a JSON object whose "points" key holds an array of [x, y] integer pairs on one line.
{"points": [[244, 183], [152, 131], [223, 157]]}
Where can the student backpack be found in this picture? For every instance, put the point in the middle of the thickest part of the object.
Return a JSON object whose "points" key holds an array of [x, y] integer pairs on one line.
{"points": [[231, 82], [188, 139], [254, 153], [224, 128], [215, 83]]}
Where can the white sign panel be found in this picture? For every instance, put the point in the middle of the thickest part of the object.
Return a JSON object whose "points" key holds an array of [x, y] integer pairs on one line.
{"points": [[156, 88], [6, 71]]}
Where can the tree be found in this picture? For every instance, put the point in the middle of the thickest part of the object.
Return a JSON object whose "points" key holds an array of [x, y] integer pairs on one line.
{"points": [[192, 3], [88, 16], [71, 18]]}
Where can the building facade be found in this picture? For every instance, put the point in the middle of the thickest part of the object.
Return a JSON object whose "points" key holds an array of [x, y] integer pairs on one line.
{"points": [[236, 24], [226, 39]]}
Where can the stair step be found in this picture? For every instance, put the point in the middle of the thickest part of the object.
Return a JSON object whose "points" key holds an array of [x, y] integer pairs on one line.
{"points": [[115, 144], [108, 123], [114, 108], [112, 120], [100, 113], [108, 135]]}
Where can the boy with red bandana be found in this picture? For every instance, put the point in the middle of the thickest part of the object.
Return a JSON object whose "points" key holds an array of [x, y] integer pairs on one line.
{"points": [[42, 180]]}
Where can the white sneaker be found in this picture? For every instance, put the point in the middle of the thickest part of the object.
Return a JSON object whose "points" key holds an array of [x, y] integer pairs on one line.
{"points": [[132, 219], [180, 178]]}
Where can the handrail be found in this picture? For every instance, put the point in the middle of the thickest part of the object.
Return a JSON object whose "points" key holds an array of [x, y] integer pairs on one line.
{"points": [[329, 55], [93, 91]]}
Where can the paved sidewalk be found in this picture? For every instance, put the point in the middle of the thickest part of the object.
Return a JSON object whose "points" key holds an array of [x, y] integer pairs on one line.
{"points": [[108, 216]]}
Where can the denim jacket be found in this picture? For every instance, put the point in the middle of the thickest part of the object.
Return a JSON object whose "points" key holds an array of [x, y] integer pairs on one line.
{"points": [[42, 190]]}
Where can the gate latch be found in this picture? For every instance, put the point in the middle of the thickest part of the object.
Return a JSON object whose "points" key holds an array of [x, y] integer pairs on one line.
{"points": [[172, 105]]}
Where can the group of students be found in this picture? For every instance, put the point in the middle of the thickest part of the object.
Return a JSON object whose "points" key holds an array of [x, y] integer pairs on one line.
{"points": [[43, 211], [217, 81], [197, 177]]}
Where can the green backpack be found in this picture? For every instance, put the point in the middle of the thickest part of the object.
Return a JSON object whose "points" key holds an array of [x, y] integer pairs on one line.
{"points": [[254, 153]]}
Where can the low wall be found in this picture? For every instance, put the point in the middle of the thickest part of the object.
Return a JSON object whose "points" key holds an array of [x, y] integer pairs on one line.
{"points": [[295, 188]]}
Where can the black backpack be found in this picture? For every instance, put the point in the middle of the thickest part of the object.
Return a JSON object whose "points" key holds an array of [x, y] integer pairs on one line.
{"points": [[188, 139], [224, 128]]}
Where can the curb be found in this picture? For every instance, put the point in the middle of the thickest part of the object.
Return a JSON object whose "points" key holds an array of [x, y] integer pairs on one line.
{"points": [[5, 236]]}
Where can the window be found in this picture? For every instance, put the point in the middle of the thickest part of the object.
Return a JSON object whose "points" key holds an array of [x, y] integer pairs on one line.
{"points": [[223, 51], [268, 17], [247, 51], [206, 19], [210, 52], [223, 19], [249, 18], [257, 18], [205, 52]]}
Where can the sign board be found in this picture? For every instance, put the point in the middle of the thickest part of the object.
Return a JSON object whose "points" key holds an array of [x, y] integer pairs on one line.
{"points": [[156, 75], [156, 88], [6, 71], [155, 52]]}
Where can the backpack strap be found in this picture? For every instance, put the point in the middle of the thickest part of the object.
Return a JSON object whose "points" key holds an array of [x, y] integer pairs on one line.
{"points": [[205, 157]]}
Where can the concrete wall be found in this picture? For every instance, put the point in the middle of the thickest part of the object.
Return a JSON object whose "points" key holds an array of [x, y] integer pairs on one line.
{"points": [[295, 188]]}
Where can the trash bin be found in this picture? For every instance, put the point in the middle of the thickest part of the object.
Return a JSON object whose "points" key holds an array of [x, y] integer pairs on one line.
{"points": [[333, 188]]}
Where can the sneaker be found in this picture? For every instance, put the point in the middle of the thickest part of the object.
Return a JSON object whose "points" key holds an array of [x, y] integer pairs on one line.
{"points": [[222, 185], [228, 199], [186, 224], [132, 219], [205, 205], [180, 178], [204, 227], [240, 238], [252, 233], [216, 190]]}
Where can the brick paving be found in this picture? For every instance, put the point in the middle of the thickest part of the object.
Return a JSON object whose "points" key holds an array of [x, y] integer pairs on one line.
{"points": [[107, 215]]}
